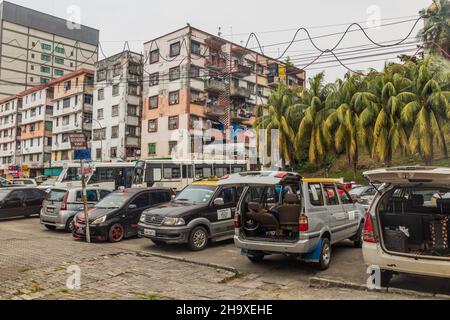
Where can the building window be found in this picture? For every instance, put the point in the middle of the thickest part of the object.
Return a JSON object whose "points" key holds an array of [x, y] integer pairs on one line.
{"points": [[132, 110], [260, 91], [195, 71], [32, 128], [115, 111], [154, 79], [175, 49], [132, 131], [65, 138], [153, 125], [46, 47], [197, 97], [260, 69], [117, 71], [43, 80], [151, 149], [60, 50], [194, 122], [101, 75], [46, 57], [114, 132], [99, 134], [67, 85], [174, 98], [196, 47], [65, 120], [48, 126], [251, 87], [59, 72], [101, 94], [133, 90], [66, 103], [153, 102], [154, 56], [45, 69], [174, 73], [173, 123], [100, 114], [115, 90], [98, 153], [172, 146], [59, 60], [64, 155], [114, 152], [88, 99]]}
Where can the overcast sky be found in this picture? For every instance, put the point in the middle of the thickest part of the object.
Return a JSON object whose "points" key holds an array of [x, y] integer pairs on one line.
{"points": [[273, 21]]}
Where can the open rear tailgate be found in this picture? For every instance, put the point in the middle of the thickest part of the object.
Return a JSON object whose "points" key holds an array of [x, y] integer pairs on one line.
{"points": [[405, 175]]}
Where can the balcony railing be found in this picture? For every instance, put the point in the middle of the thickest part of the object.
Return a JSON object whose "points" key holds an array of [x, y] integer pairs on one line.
{"points": [[215, 63], [241, 115], [214, 85], [215, 109], [239, 92], [215, 42], [240, 70]]}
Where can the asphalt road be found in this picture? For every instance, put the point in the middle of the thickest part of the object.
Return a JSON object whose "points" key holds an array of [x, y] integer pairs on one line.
{"points": [[347, 264]]}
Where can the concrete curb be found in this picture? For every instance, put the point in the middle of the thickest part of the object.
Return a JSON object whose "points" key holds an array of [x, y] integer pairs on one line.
{"points": [[327, 283]]}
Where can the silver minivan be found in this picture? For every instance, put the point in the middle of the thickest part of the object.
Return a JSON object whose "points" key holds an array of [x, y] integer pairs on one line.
{"points": [[283, 213], [61, 205]]}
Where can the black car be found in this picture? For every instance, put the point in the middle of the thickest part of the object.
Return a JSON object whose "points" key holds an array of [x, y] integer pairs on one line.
{"points": [[20, 202], [203, 211], [116, 217]]}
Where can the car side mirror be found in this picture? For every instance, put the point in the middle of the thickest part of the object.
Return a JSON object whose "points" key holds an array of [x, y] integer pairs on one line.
{"points": [[173, 197], [132, 207], [219, 202]]}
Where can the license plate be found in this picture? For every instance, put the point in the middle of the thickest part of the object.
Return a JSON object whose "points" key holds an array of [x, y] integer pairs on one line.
{"points": [[149, 232], [50, 210]]}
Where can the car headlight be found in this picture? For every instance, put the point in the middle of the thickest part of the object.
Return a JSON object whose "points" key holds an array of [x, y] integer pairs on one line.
{"points": [[99, 220], [173, 222], [142, 218]]}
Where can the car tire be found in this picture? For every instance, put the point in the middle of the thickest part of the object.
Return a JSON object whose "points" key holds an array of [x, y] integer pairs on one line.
{"points": [[357, 240], [116, 233], [256, 257], [385, 278], [198, 239], [52, 228], [70, 225], [325, 255]]}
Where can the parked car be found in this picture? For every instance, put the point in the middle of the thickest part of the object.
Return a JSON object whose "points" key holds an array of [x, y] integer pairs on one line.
{"points": [[4, 183], [20, 202], [25, 182], [282, 213], [61, 205], [201, 212], [407, 227], [363, 195], [116, 217]]}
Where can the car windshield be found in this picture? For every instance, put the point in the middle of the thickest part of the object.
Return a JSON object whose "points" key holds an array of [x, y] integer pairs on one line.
{"points": [[113, 200], [22, 182], [56, 195], [3, 194], [358, 191], [196, 194]]}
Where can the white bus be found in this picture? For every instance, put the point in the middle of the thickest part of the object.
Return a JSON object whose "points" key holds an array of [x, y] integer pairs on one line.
{"points": [[104, 175], [176, 174]]}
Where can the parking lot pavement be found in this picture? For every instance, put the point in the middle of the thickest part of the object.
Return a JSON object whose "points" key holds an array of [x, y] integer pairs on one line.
{"points": [[34, 261]]}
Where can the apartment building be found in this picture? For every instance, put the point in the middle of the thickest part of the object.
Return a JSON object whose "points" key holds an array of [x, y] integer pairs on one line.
{"points": [[117, 108], [36, 128], [72, 112], [195, 81], [37, 47], [10, 135]]}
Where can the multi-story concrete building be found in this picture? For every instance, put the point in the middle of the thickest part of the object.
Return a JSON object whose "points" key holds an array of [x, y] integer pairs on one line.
{"points": [[198, 81], [36, 128], [37, 47], [72, 112], [117, 108], [10, 135]]}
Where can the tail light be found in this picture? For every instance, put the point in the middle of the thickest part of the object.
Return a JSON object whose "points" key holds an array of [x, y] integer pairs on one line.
{"points": [[64, 201], [368, 233], [237, 221], [303, 224]]}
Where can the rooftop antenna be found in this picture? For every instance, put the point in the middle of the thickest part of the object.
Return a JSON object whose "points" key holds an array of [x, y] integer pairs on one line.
{"points": [[220, 32]]}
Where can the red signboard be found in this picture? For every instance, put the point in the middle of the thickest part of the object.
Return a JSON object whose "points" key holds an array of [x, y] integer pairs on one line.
{"points": [[78, 141]]}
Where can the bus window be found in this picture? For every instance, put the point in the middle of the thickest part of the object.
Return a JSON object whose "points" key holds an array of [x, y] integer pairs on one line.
{"points": [[157, 174], [220, 172], [207, 173], [187, 172], [237, 169], [71, 175], [172, 173]]}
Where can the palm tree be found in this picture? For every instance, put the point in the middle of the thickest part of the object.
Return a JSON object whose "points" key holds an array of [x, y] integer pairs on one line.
{"points": [[283, 112], [353, 110], [436, 32], [389, 133], [426, 112]]}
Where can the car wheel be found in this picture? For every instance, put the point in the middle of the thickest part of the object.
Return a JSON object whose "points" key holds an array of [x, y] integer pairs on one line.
{"points": [[357, 240], [198, 239], [325, 255], [116, 233], [70, 225], [385, 278], [256, 257], [50, 227]]}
